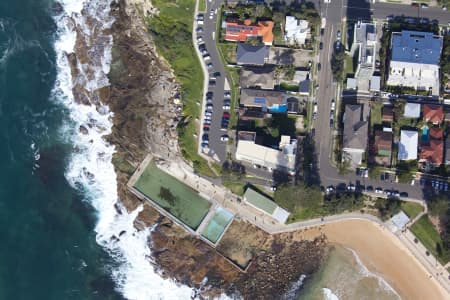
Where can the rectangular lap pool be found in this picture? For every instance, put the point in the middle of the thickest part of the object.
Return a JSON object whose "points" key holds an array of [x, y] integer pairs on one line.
{"points": [[217, 224], [175, 197]]}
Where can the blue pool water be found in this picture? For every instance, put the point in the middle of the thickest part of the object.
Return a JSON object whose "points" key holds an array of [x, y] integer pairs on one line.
{"points": [[425, 134]]}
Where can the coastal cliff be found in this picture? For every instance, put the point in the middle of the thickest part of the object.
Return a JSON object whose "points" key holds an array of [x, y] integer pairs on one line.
{"points": [[143, 95]]}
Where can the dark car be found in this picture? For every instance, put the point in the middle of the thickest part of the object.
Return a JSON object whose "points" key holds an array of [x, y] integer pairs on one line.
{"points": [[206, 128], [216, 74], [414, 4], [331, 123], [224, 125], [404, 194], [369, 188], [209, 94], [320, 45], [322, 30], [319, 66], [205, 137], [212, 82]]}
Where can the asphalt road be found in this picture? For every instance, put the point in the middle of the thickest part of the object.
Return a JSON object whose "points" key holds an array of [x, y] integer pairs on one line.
{"points": [[217, 149]]}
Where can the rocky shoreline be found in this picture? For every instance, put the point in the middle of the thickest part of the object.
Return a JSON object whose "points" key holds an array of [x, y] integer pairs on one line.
{"points": [[143, 97]]}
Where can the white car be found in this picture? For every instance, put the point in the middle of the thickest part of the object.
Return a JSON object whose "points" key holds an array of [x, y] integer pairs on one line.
{"points": [[227, 94], [333, 104], [207, 118], [199, 39], [210, 65], [224, 138], [206, 57], [379, 190], [226, 107]]}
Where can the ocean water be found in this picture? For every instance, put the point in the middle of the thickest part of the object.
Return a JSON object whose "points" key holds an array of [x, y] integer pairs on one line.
{"points": [[63, 233], [343, 276]]}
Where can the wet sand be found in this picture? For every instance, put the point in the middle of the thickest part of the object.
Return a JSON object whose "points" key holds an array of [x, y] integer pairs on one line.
{"points": [[382, 253]]}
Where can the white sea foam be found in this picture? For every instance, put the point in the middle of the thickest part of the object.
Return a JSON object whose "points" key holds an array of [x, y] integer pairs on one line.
{"points": [[294, 288], [91, 169], [365, 272], [328, 294]]}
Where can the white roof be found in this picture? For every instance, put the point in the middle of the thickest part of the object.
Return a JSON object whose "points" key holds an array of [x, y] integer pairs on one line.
{"points": [[400, 220], [412, 110], [280, 215], [351, 83], [407, 147], [265, 156], [296, 30]]}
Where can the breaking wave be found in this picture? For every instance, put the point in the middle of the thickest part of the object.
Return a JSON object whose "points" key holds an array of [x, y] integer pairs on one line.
{"points": [[90, 169]]}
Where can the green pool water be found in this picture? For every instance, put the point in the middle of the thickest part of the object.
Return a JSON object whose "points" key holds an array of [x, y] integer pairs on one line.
{"points": [[175, 197], [217, 224]]}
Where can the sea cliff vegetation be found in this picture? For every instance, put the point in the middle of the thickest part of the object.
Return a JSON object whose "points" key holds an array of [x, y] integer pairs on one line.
{"points": [[171, 30]]}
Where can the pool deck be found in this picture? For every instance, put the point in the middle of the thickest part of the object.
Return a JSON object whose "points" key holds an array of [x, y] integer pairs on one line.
{"points": [[168, 168]]}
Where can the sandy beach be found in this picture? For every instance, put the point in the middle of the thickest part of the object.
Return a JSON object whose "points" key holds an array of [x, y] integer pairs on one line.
{"points": [[383, 254]]}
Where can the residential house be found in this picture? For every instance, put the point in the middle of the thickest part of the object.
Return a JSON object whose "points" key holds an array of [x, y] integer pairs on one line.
{"points": [[236, 31], [412, 110], [383, 146], [365, 42], [387, 114], [296, 31], [407, 147], [282, 159], [256, 55], [432, 150], [355, 134], [302, 77], [415, 60], [265, 100], [262, 78], [433, 113]]}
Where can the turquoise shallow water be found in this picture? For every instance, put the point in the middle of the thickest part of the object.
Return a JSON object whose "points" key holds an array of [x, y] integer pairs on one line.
{"points": [[47, 248]]}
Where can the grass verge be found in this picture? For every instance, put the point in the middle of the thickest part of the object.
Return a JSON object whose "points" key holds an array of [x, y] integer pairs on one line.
{"points": [[172, 32], [427, 234], [235, 187], [411, 209]]}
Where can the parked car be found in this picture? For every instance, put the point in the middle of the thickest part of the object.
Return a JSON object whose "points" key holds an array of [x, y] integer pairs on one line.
{"points": [[212, 82], [329, 189], [331, 123], [207, 117], [333, 104], [379, 190], [351, 187], [319, 66], [404, 194], [209, 100], [205, 137], [414, 4], [226, 107], [205, 145], [424, 5], [208, 114], [227, 94], [338, 35], [205, 128], [209, 106], [216, 74], [206, 57], [226, 115], [369, 189], [209, 65], [199, 39], [207, 121], [224, 138], [320, 45]]}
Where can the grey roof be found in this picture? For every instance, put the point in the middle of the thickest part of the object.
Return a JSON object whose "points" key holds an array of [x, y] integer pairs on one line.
{"points": [[251, 55], [261, 98], [412, 110], [262, 77], [355, 128], [352, 83], [303, 87], [416, 47]]}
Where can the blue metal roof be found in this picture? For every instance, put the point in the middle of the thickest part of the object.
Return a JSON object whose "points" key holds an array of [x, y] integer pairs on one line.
{"points": [[416, 47]]}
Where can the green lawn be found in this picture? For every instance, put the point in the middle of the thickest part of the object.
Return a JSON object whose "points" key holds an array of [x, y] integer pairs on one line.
{"points": [[235, 187], [411, 209], [349, 70], [426, 233], [202, 5], [375, 113], [228, 52], [172, 32], [175, 197]]}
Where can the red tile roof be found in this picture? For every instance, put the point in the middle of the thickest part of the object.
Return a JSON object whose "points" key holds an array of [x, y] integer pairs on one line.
{"points": [[436, 133], [240, 31], [433, 153], [433, 113]]}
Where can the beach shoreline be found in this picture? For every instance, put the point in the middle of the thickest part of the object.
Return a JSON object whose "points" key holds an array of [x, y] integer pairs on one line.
{"points": [[383, 254]]}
